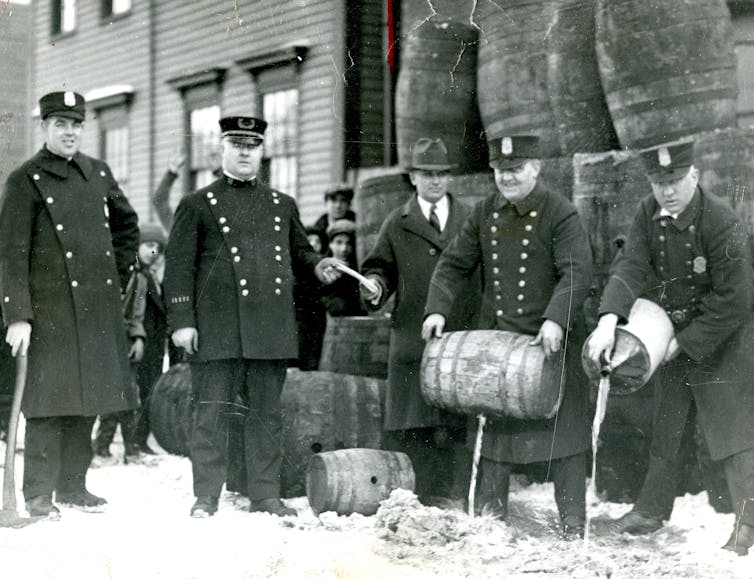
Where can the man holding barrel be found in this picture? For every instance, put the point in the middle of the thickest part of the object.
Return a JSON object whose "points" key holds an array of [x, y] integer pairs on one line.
{"points": [[233, 251], [402, 261], [688, 252], [535, 264]]}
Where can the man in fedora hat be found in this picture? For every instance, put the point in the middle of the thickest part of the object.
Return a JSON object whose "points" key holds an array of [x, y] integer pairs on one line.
{"points": [[535, 261], [233, 251], [401, 262], [68, 237], [688, 252]]}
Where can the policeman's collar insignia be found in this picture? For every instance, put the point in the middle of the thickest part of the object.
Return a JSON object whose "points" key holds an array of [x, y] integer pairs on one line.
{"points": [[663, 156], [69, 99], [506, 146], [247, 123]]}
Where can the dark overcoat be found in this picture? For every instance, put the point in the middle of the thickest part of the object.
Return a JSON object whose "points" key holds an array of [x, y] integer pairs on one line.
{"points": [[402, 260], [535, 265], [231, 258], [697, 267], [68, 237]]}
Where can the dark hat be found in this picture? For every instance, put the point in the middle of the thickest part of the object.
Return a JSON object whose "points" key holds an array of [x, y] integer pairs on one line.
{"points": [[152, 232], [512, 151], [68, 104], [341, 226], [342, 189], [668, 163], [243, 127], [429, 155]]}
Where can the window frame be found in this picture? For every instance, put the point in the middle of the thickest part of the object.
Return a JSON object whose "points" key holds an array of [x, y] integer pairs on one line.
{"points": [[56, 18], [106, 11]]}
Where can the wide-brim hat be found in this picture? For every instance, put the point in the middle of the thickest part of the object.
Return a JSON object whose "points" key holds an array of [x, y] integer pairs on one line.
{"points": [[429, 155], [243, 128], [67, 104], [668, 163], [512, 151]]}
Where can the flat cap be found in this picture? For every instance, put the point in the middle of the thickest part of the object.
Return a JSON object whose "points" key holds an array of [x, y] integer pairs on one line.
{"points": [[341, 226], [342, 189], [68, 104], [512, 151], [668, 163], [152, 232]]}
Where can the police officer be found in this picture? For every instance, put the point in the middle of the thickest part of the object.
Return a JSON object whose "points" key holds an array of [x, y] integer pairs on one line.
{"points": [[68, 237], [535, 265], [402, 261], [688, 252], [232, 254]]}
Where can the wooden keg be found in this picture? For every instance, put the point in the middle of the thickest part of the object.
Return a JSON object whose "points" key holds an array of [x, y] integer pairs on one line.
{"points": [[356, 345], [573, 82], [512, 70], [375, 199], [435, 95], [355, 480], [171, 409], [494, 372], [668, 68]]}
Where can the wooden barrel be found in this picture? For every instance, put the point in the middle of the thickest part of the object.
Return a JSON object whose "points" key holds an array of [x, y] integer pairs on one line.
{"points": [[356, 345], [375, 199], [668, 68], [355, 480], [512, 70], [573, 82], [494, 372], [171, 409], [435, 95], [725, 159]]}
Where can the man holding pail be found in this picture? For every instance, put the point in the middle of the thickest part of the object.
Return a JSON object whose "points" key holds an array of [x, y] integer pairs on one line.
{"points": [[535, 265], [688, 252]]}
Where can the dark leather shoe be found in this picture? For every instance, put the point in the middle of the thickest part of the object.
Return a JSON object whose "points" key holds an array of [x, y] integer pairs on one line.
{"points": [[635, 524], [572, 528], [741, 540], [82, 499], [273, 506], [41, 506], [204, 507]]}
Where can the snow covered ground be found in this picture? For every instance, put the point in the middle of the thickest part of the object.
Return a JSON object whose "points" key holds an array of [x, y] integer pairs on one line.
{"points": [[147, 533]]}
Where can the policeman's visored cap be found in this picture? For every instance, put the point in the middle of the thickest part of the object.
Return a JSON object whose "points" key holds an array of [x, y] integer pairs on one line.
{"points": [[429, 155], [668, 163], [243, 129], [68, 104], [341, 226], [152, 232], [342, 189], [512, 151]]}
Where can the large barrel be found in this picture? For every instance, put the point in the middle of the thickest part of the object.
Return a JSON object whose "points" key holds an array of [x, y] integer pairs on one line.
{"points": [[170, 409], [356, 480], [573, 82], [375, 199], [494, 372], [356, 345], [668, 68], [435, 95], [512, 70]]}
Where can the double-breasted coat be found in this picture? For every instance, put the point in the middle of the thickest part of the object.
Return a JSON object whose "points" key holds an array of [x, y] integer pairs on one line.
{"points": [[233, 252], [535, 265], [698, 268], [68, 237], [402, 261]]}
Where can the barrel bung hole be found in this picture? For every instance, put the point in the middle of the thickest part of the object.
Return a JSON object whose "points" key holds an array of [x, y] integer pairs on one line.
{"points": [[373, 480], [316, 447]]}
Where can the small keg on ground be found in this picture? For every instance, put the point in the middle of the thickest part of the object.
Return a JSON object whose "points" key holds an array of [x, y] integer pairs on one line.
{"points": [[435, 95], [355, 480], [493, 372], [356, 345], [668, 68]]}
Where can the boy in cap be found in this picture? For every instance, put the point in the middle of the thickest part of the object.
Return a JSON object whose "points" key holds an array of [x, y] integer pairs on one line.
{"points": [[338, 201], [341, 298], [232, 255], [535, 265], [401, 262], [688, 252], [68, 237]]}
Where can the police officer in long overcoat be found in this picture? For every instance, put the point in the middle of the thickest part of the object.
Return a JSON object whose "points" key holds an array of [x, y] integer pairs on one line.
{"points": [[535, 266], [401, 262], [232, 255], [68, 237], [688, 252]]}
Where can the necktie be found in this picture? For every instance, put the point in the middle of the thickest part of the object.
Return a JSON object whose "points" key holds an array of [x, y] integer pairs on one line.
{"points": [[434, 221]]}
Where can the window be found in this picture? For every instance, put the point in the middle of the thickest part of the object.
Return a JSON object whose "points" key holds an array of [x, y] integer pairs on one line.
{"points": [[111, 8], [63, 16], [280, 110], [205, 145], [114, 141]]}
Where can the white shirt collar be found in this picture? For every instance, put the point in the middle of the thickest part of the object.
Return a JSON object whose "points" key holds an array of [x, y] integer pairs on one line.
{"points": [[442, 209], [665, 213]]}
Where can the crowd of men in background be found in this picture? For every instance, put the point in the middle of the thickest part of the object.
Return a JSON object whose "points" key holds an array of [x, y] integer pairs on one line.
{"points": [[241, 287]]}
